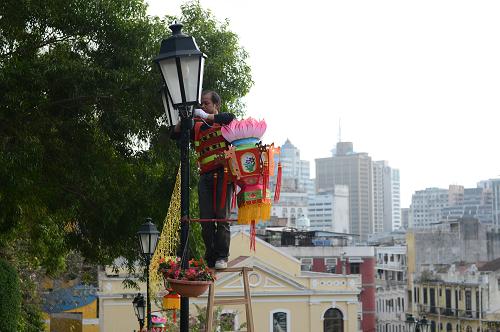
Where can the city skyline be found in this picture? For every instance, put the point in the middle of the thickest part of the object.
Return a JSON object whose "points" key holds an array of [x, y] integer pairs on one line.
{"points": [[413, 83]]}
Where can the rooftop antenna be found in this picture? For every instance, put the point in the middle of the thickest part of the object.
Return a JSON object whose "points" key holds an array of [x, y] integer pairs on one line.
{"points": [[340, 132]]}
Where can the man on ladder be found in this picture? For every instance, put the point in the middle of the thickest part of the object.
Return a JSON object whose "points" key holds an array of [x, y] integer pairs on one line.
{"points": [[214, 188]]}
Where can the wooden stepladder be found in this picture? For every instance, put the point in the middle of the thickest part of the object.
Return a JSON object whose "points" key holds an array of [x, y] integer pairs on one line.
{"points": [[246, 299]]}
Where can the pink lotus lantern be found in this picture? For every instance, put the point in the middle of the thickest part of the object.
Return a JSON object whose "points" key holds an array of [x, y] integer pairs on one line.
{"points": [[251, 164]]}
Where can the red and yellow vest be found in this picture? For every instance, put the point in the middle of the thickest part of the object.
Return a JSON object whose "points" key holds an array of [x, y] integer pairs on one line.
{"points": [[210, 146]]}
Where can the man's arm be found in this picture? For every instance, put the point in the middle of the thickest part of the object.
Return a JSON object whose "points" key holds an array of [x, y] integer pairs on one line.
{"points": [[223, 118]]}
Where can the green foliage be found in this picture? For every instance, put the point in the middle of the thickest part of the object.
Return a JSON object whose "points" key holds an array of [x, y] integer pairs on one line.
{"points": [[10, 298], [221, 321], [84, 158], [79, 94]]}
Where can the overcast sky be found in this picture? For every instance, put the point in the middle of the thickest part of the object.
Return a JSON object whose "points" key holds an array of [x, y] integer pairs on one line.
{"points": [[415, 83]]}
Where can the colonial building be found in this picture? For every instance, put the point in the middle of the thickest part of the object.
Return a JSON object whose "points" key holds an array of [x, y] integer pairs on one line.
{"points": [[459, 297], [391, 282], [329, 252], [448, 281], [284, 298]]}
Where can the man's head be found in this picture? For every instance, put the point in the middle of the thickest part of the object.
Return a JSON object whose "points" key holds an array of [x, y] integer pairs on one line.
{"points": [[210, 102]]}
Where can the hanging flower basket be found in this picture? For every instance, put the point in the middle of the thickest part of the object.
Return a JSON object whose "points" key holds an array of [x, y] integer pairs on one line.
{"points": [[188, 288], [188, 282]]}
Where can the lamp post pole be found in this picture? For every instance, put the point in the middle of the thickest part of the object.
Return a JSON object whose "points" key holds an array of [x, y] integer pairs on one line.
{"points": [[186, 125], [148, 301], [181, 64], [148, 239]]}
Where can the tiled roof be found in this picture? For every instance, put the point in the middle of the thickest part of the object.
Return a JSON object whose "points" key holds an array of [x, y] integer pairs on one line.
{"points": [[493, 265]]}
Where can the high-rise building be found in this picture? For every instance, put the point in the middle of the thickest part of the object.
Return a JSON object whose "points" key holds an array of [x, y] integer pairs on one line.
{"points": [[386, 198], [354, 170], [494, 186], [405, 217], [426, 205], [433, 205], [296, 185], [330, 211], [293, 167], [475, 202]]}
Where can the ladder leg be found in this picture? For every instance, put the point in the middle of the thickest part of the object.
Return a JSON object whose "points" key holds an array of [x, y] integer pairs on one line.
{"points": [[248, 304], [210, 308]]}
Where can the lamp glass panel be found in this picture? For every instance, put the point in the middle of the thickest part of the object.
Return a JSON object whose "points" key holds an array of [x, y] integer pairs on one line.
{"points": [[171, 113], [154, 242], [145, 243], [202, 71], [141, 311], [190, 66], [169, 70]]}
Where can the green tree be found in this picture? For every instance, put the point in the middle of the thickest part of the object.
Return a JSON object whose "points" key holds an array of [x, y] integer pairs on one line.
{"points": [[227, 70], [84, 157], [10, 297]]}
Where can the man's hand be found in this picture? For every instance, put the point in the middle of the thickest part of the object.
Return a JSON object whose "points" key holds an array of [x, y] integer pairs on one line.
{"points": [[200, 113]]}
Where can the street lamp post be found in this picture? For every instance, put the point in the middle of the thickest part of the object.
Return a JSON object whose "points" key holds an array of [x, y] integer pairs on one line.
{"points": [[181, 64], [139, 307], [416, 325], [148, 238]]}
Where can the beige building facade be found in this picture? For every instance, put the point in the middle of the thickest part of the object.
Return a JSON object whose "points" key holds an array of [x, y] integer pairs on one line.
{"points": [[284, 298]]}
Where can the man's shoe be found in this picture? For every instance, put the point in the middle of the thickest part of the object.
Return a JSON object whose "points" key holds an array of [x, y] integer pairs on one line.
{"points": [[220, 264]]}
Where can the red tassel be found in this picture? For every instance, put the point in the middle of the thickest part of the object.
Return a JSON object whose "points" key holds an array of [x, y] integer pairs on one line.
{"points": [[252, 235], [222, 203], [233, 200], [265, 180], [175, 316], [277, 189], [214, 193]]}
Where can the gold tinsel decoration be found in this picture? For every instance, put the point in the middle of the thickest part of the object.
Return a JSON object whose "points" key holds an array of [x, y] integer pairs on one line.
{"points": [[169, 238]]}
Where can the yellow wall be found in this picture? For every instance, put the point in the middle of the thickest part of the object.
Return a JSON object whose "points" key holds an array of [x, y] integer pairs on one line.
{"points": [[440, 303], [66, 324], [88, 312]]}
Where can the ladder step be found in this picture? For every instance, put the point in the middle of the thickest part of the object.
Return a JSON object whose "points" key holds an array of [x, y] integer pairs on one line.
{"points": [[231, 301], [234, 269]]}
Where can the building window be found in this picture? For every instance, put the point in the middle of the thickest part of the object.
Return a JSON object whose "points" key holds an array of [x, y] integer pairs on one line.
{"points": [[468, 304], [280, 320], [425, 295], [354, 268], [306, 264], [333, 321]]}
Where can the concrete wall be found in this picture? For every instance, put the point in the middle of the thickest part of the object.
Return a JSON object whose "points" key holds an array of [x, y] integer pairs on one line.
{"points": [[463, 241], [493, 245]]}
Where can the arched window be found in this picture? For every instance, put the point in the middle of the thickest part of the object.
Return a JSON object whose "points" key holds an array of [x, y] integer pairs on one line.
{"points": [[448, 327], [333, 321], [280, 320], [469, 329]]}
